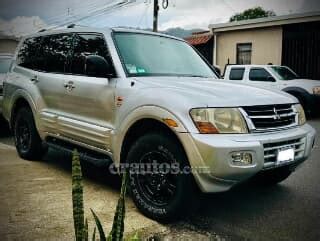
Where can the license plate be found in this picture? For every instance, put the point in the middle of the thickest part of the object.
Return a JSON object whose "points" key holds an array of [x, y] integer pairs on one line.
{"points": [[285, 156]]}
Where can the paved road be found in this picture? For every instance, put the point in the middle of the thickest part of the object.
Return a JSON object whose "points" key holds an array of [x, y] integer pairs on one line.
{"points": [[35, 203]]}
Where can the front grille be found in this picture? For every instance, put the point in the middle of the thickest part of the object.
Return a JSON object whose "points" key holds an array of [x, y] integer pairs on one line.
{"points": [[271, 150], [270, 117]]}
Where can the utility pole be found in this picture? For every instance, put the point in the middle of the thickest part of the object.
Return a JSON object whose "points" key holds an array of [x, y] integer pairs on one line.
{"points": [[155, 15]]}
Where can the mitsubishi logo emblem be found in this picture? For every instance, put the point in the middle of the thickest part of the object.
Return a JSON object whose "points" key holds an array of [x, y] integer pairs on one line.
{"points": [[276, 115]]}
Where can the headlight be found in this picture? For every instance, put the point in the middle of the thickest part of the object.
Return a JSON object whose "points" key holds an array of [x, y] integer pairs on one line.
{"points": [[219, 120], [301, 114], [316, 90]]}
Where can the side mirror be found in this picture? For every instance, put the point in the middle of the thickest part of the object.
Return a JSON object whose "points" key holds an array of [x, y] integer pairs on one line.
{"points": [[271, 79], [97, 66]]}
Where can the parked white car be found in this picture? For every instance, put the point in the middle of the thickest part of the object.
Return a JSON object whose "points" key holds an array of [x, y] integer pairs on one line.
{"points": [[5, 61], [307, 91]]}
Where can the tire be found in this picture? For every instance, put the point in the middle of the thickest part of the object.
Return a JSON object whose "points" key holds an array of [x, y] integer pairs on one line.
{"points": [[273, 177], [162, 197], [27, 140]]}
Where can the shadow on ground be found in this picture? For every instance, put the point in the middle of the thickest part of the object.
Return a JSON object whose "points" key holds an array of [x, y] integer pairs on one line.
{"points": [[4, 128], [100, 175]]}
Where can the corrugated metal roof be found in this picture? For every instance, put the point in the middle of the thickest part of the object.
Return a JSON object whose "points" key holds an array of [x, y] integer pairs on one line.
{"points": [[198, 39]]}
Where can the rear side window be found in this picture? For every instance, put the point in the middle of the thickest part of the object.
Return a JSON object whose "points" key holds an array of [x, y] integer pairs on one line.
{"points": [[27, 56], [55, 53], [236, 73], [258, 74], [85, 45]]}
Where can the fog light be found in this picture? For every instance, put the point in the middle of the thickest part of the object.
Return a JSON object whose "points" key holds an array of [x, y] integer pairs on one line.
{"points": [[241, 158]]}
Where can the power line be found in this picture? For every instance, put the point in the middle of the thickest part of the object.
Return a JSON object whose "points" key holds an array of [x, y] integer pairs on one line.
{"points": [[94, 13], [144, 14], [83, 8]]}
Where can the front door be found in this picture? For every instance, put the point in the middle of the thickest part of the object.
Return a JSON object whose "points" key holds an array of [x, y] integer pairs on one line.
{"points": [[87, 106], [261, 78]]}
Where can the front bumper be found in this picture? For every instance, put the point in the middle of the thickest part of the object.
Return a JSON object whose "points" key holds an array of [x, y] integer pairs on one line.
{"points": [[211, 161]]}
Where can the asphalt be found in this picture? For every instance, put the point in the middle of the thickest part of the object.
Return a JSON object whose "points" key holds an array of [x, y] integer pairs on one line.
{"points": [[35, 203], [288, 211]]}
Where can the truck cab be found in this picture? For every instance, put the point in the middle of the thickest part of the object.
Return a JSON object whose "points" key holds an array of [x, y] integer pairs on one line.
{"points": [[278, 78]]}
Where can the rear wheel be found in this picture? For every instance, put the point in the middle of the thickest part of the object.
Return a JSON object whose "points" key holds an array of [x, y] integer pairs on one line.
{"points": [[27, 140], [273, 177], [162, 192]]}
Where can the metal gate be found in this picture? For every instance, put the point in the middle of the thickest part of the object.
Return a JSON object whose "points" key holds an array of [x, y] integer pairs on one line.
{"points": [[301, 49]]}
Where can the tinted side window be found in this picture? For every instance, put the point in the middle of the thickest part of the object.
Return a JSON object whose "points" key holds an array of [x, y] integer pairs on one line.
{"points": [[28, 53], [84, 45], [236, 73], [258, 74], [55, 53]]}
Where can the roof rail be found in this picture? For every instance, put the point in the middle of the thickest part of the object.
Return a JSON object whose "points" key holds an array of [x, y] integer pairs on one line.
{"points": [[42, 30], [71, 25]]}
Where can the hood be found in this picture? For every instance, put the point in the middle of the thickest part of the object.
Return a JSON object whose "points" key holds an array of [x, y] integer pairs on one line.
{"points": [[214, 93]]}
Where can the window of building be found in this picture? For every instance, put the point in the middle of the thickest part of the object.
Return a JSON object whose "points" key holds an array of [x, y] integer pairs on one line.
{"points": [[84, 45], [244, 52], [259, 74], [236, 73]]}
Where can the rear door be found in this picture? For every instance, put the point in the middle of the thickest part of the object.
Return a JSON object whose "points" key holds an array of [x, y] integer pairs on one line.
{"points": [[52, 62], [87, 103], [236, 73]]}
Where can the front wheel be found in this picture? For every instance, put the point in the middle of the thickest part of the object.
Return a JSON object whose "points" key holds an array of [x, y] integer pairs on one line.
{"points": [[27, 140], [158, 187]]}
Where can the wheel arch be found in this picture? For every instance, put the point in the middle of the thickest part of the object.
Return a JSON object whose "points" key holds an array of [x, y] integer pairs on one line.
{"points": [[300, 94], [142, 127], [296, 91], [140, 122], [20, 100]]}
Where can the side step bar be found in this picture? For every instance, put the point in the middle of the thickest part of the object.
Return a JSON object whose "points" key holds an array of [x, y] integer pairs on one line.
{"points": [[92, 157]]}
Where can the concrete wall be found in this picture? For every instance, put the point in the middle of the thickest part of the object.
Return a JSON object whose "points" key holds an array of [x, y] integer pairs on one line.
{"points": [[266, 45], [8, 45]]}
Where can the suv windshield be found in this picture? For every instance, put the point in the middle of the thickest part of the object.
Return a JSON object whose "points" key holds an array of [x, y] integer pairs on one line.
{"points": [[284, 73], [4, 65], [151, 55]]}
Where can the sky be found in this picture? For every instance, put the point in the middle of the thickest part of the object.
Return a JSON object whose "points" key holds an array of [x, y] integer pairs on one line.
{"points": [[19, 17]]}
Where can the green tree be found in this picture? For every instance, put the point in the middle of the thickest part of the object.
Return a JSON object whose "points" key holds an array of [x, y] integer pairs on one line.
{"points": [[252, 13]]}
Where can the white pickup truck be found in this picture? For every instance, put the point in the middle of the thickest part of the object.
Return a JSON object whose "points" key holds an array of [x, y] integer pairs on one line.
{"points": [[278, 77]]}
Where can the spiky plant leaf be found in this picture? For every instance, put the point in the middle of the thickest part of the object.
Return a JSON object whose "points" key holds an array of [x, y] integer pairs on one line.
{"points": [[85, 231], [77, 196], [94, 234], [135, 237], [117, 230], [99, 226]]}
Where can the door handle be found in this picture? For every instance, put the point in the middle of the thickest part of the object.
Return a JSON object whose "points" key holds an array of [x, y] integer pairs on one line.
{"points": [[69, 85], [34, 79]]}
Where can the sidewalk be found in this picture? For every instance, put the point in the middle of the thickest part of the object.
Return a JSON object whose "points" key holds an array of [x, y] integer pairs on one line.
{"points": [[35, 201]]}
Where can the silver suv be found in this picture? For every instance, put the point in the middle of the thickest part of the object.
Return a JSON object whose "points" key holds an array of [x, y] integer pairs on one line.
{"points": [[147, 101]]}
